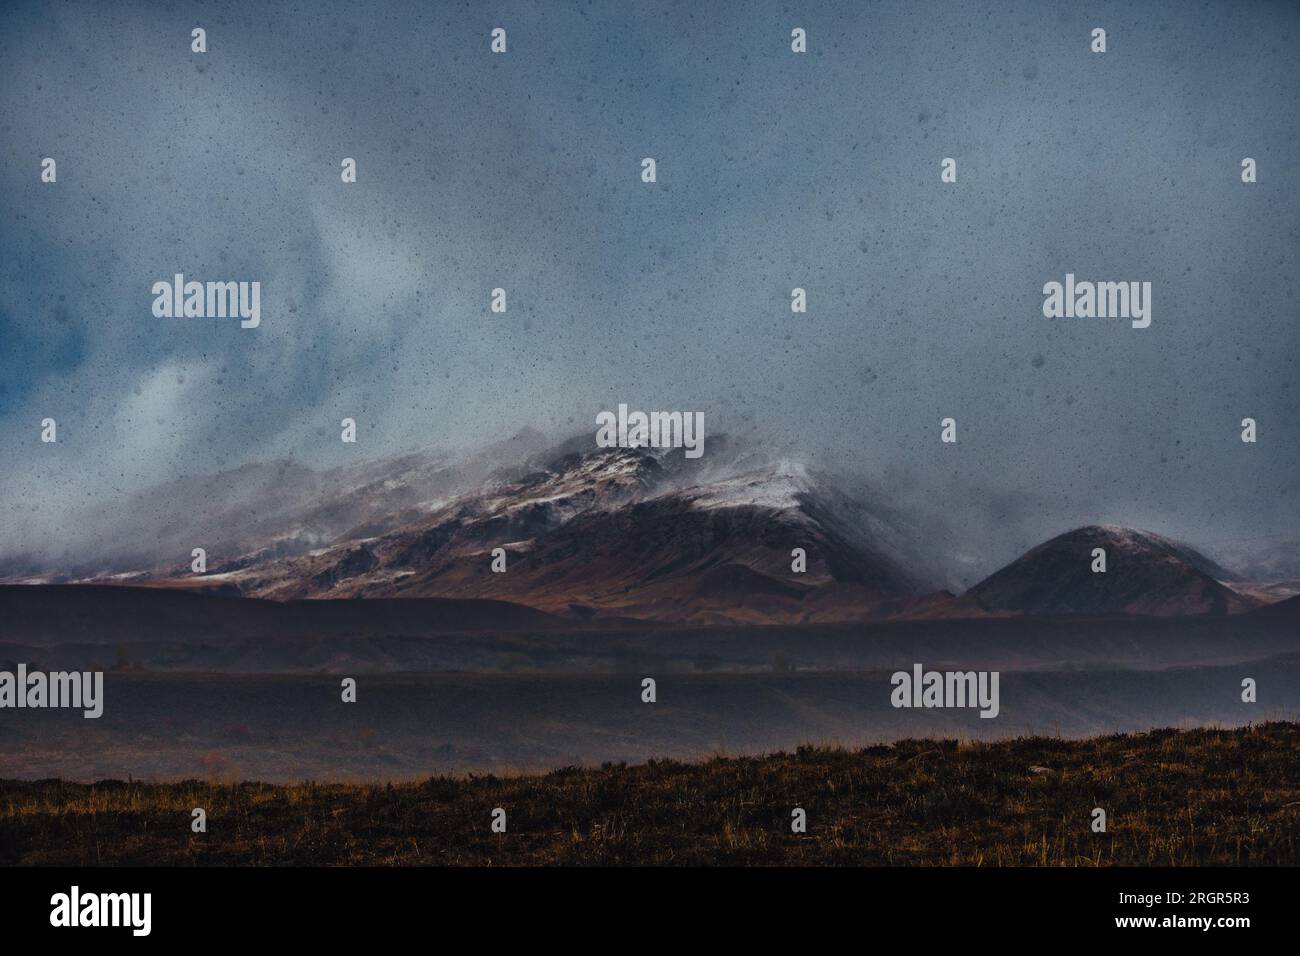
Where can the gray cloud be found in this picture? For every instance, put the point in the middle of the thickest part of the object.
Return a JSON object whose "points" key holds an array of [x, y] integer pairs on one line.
{"points": [[775, 170]]}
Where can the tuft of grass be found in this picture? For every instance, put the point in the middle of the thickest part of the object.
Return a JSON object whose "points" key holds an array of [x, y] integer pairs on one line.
{"points": [[1172, 798]]}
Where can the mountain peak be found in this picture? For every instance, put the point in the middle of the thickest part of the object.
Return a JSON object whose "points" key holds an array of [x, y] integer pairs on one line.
{"points": [[1145, 573]]}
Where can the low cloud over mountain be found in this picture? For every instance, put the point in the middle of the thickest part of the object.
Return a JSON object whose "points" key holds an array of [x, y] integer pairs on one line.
{"points": [[619, 533]]}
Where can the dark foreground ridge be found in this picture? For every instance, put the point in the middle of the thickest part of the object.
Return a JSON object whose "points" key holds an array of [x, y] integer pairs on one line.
{"points": [[1172, 798]]}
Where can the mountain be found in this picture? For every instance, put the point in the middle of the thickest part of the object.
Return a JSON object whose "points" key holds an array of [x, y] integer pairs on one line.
{"points": [[1145, 574], [613, 535], [257, 512], [616, 533]]}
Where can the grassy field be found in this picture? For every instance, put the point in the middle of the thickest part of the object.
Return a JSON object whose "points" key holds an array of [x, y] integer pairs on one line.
{"points": [[1176, 798]]}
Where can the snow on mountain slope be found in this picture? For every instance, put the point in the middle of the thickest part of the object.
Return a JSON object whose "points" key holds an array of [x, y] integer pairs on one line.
{"points": [[260, 512], [618, 532]]}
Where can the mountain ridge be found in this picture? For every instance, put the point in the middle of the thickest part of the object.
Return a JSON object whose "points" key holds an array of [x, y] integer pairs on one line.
{"points": [[634, 534]]}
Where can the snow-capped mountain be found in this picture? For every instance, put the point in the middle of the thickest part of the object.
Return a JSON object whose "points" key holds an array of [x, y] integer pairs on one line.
{"points": [[587, 532], [258, 512], [617, 533]]}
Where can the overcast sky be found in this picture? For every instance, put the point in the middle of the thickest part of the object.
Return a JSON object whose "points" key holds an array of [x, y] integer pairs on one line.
{"points": [[775, 170]]}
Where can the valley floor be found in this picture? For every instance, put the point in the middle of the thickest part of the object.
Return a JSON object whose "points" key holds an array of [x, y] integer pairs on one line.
{"points": [[1171, 798]]}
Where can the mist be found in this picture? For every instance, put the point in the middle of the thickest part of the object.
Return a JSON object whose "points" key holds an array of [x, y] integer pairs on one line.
{"points": [[774, 172]]}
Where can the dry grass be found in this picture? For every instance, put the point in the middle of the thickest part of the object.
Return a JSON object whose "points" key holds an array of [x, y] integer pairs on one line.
{"points": [[1198, 797]]}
